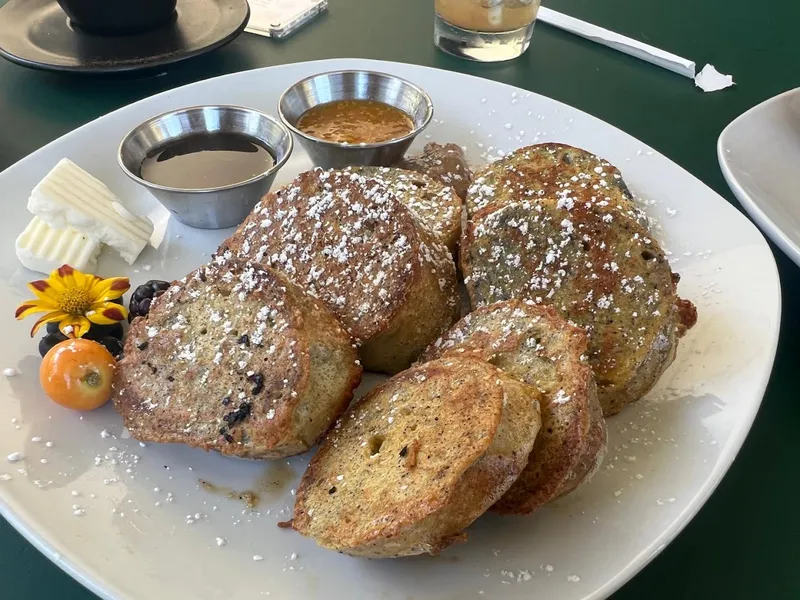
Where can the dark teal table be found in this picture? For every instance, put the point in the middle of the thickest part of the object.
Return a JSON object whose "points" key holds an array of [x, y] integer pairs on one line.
{"points": [[744, 543]]}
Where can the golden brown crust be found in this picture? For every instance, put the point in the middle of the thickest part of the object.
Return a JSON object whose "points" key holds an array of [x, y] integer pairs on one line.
{"points": [[583, 196], [434, 204], [594, 451], [445, 163], [417, 460], [347, 241], [653, 360], [237, 359], [687, 316], [600, 271], [535, 345], [566, 173]]}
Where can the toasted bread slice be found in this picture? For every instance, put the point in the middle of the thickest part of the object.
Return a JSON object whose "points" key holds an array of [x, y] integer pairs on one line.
{"points": [[594, 451], [434, 204], [533, 344], [235, 358], [602, 272], [417, 460], [446, 163], [558, 171], [346, 240]]}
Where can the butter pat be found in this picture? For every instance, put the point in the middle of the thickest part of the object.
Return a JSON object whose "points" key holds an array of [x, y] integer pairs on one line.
{"points": [[70, 197], [44, 249]]}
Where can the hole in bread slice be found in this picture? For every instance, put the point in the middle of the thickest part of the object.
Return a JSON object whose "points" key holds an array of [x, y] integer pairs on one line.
{"points": [[375, 443]]}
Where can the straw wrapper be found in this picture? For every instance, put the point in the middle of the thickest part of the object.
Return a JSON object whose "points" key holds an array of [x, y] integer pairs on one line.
{"points": [[646, 52]]}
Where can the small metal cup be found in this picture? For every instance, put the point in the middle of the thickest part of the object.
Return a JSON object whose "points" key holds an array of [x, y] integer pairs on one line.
{"points": [[209, 208], [359, 85]]}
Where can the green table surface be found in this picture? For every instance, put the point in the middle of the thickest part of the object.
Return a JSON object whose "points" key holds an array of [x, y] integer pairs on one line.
{"points": [[744, 542]]}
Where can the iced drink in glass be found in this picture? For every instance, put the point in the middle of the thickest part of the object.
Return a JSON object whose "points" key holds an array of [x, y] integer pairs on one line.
{"points": [[485, 30]]}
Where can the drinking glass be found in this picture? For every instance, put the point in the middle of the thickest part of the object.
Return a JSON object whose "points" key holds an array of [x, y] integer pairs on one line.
{"points": [[484, 30]]}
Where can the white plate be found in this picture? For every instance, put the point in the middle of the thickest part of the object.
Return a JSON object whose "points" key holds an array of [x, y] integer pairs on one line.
{"points": [[139, 536], [759, 154]]}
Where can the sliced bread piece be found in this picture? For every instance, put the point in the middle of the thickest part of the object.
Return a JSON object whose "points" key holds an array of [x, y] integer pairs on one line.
{"points": [[601, 272], [417, 460], [594, 451], [235, 358], [568, 174], [533, 344], [434, 204], [446, 163], [348, 241]]}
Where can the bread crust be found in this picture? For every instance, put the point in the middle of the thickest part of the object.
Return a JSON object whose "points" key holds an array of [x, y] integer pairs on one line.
{"points": [[235, 358], [533, 344], [446, 163], [435, 205], [602, 272], [566, 173], [417, 460], [348, 241]]}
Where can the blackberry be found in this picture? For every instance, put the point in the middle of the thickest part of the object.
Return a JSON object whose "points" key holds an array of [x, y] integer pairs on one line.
{"points": [[144, 295], [113, 344], [96, 332], [51, 339]]}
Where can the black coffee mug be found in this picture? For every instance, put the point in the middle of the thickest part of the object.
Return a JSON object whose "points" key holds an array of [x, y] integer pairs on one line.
{"points": [[118, 17]]}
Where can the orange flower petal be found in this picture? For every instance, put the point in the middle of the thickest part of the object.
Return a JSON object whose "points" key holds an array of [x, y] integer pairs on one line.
{"points": [[107, 313], [109, 289], [31, 307], [74, 326], [48, 318]]}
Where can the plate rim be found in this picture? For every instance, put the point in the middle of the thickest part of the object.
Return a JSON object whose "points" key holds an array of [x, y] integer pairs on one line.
{"points": [[750, 203], [730, 450]]}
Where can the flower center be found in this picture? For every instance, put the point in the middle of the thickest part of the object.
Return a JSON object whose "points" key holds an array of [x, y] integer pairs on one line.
{"points": [[75, 301]]}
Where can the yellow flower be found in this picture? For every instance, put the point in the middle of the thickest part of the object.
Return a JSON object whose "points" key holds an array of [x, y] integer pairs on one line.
{"points": [[75, 300]]}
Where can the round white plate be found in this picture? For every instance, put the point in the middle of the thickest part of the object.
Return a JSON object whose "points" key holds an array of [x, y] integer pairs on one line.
{"points": [[146, 529], [759, 153]]}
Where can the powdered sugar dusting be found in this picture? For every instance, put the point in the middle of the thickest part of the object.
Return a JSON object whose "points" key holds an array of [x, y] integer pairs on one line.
{"points": [[217, 329], [436, 206], [345, 239], [569, 258]]}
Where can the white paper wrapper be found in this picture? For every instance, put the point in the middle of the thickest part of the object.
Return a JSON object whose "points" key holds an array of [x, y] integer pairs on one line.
{"points": [[711, 80], [646, 52]]}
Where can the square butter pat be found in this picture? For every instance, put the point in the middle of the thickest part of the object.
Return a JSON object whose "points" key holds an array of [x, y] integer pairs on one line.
{"points": [[44, 249], [70, 197]]}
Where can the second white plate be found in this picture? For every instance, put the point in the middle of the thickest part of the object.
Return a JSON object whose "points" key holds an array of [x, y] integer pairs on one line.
{"points": [[759, 153]]}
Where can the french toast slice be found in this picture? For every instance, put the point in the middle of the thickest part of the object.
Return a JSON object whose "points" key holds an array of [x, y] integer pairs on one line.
{"points": [[445, 163], [533, 344], [434, 204], [558, 171], [594, 452], [601, 272], [235, 358], [417, 460], [345, 239]]}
